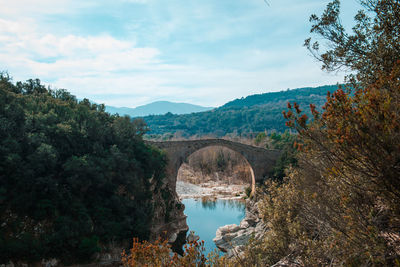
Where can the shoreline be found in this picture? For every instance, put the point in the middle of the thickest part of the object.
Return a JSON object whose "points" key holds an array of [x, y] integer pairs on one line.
{"points": [[210, 190]]}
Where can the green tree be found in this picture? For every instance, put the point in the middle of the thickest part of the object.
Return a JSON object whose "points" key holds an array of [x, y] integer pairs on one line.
{"points": [[72, 177], [373, 46]]}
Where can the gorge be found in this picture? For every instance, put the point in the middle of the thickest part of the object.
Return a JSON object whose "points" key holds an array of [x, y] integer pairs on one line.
{"points": [[260, 162]]}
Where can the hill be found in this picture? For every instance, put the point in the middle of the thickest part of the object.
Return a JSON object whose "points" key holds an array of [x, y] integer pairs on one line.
{"points": [[157, 108], [255, 113], [73, 178]]}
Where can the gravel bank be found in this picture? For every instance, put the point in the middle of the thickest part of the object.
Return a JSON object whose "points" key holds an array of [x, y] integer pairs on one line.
{"points": [[210, 189]]}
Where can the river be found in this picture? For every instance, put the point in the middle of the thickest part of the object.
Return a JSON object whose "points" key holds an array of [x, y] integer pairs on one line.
{"points": [[204, 217]]}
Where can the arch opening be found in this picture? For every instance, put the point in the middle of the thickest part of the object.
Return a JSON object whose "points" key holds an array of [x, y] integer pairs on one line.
{"points": [[215, 171]]}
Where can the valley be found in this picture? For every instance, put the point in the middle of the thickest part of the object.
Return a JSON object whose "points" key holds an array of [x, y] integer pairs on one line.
{"points": [[253, 176]]}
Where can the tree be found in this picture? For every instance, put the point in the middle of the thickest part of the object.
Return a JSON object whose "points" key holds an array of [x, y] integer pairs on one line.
{"points": [[372, 48], [349, 173], [73, 178], [341, 205]]}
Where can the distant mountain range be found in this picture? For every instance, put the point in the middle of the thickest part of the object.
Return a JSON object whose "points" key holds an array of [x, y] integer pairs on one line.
{"points": [[252, 114], [157, 108]]}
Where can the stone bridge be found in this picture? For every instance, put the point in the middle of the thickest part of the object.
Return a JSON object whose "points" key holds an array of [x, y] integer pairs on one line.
{"points": [[259, 159]]}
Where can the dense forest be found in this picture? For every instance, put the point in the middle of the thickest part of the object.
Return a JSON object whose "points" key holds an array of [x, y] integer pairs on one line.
{"points": [[255, 113], [73, 178]]}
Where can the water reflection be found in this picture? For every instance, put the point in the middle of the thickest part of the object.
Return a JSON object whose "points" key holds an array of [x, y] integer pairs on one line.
{"points": [[233, 204], [208, 203], [206, 215]]}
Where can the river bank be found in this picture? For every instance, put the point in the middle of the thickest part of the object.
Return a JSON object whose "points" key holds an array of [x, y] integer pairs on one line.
{"points": [[222, 204], [211, 190]]}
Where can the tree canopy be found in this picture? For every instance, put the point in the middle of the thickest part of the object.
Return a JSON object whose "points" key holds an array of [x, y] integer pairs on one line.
{"points": [[73, 178], [240, 117]]}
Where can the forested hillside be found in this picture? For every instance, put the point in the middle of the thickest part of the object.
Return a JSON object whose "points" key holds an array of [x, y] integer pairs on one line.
{"points": [[73, 178], [255, 113]]}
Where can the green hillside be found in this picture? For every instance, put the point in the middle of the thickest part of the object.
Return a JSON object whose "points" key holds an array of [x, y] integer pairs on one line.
{"points": [[73, 178], [254, 113]]}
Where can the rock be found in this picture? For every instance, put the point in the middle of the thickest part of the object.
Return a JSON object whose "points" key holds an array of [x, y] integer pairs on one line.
{"points": [[107, 257], [49, 263], [244, 224], [172, 238], [169, 220], [288, 262], [192, 237], [233, 238], [231, 228]]}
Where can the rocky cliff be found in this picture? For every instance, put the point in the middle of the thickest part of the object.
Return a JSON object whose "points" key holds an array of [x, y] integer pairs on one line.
{"points": [[169, 221]]}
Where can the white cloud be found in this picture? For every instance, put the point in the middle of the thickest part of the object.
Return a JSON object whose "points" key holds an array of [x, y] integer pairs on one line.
{"points": [[29, 8], [53, 56], [118, 71]]}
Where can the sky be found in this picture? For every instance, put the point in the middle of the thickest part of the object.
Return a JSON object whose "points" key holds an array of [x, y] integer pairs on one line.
{"points": [[127, 53]]}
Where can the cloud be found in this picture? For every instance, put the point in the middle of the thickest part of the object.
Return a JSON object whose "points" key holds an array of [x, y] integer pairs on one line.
{"points": [[68, 55], [120, 73], [204, 52], [28, 8]]}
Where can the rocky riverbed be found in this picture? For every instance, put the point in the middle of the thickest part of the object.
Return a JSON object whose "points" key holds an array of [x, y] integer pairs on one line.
{"points": [[211, 190], [229, 238], [233, 238]]}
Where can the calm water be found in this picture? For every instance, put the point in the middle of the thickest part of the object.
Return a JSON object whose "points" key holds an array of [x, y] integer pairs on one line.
{"points": [[205, 217]]}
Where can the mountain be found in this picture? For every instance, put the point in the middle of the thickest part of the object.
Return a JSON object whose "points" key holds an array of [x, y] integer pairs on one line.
{"points": [[157, 108], [255, 113]]}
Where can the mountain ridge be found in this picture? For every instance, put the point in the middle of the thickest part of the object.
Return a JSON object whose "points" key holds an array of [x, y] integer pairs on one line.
{"points": [[158, 108], [252, 114]]}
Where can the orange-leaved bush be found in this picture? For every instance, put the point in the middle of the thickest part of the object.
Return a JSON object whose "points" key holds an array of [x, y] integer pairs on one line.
{"points": [[349, 174], [159, 253]]}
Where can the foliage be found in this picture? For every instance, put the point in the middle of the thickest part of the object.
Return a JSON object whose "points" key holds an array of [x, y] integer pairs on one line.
{"points": [[72, 177], [260, 138], [247, 191], [217, 163], [350, 167], [159, 253], [340, 206], [372, 48], [284, 142], [253, 114]]}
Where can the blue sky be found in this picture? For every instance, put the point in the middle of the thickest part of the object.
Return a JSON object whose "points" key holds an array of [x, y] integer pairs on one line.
{"points": [[133, 52]]}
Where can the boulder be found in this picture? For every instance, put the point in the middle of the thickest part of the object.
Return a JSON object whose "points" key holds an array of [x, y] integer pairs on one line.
{"points": [[232, 238], [192, 237]]}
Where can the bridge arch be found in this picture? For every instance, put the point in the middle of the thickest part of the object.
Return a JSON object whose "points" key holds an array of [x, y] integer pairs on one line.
{"points": [[259, 159], [205, 153]]}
